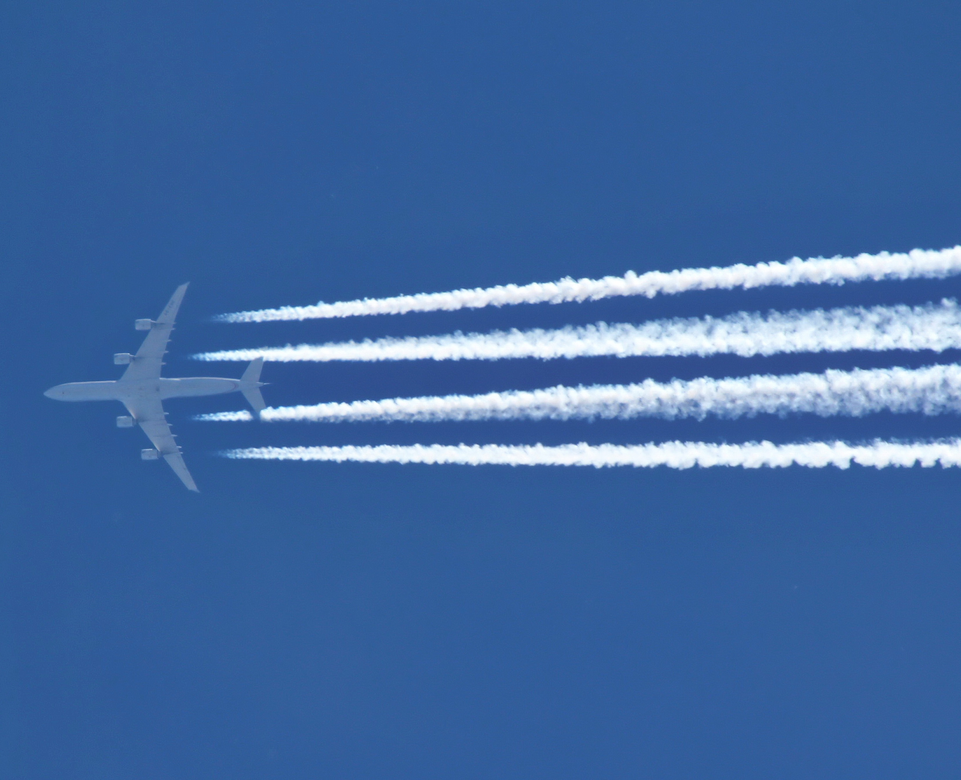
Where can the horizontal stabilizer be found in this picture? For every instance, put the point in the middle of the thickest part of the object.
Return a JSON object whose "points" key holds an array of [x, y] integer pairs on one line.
{"points": [[252, 374], [250, 385], [254, 398]]}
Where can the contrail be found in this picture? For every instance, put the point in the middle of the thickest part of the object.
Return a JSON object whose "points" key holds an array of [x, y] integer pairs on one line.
{"points": [[676, 454], [932, 327], [932, 390], [916, 264]]}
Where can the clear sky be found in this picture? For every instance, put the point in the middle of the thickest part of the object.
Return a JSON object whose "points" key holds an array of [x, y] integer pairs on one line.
{"points": [[386, 621]]}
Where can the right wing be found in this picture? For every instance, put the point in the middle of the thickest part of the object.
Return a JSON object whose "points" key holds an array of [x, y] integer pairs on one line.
{"points": [[149, 358], [149, 413]]}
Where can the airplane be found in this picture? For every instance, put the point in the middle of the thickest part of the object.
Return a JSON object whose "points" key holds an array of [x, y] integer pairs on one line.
{"points": [[142, 390]]}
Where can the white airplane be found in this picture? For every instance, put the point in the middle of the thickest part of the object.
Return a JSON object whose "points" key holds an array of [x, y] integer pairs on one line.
{"points": [[142, 390]]}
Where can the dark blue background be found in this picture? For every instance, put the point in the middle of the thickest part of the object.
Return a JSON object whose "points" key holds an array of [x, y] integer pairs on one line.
{"points": [[319, 620]]}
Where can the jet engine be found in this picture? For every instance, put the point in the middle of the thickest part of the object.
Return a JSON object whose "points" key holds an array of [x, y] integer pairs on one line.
{"points": [[122, 359], [143, 324], [123, 421], [149, 454]]}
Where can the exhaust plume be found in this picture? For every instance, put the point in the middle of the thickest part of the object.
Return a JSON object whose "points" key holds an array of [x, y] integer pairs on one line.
{"points": [[932, 390], [918, 263], [676, 454], [933, 327]]}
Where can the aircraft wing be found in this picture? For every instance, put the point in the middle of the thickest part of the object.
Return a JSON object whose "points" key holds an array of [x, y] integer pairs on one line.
{"points": [[150, 415], [149, 358]]}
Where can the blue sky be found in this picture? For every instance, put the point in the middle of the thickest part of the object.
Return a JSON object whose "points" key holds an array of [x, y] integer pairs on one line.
{"points": [[305, 620]]}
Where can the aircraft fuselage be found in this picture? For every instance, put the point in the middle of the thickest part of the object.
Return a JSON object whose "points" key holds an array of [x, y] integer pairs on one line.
{"points": [[142, 390], [119, 390]]}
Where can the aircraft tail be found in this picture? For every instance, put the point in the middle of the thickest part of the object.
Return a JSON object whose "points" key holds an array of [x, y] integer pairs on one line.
{"points": [[250, 385]]}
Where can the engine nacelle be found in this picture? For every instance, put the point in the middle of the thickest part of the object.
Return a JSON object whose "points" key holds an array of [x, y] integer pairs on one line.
{"points": [[143, 324], [149, 454], [123, 421], [122, 359]]}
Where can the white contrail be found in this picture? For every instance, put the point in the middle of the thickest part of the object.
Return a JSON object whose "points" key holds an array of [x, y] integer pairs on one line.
{"points": [[676, 454], [932, 390], [918, 263], [934, 326]]}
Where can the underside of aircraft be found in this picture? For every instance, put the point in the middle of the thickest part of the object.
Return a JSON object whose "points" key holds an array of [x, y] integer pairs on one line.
{"points": [[142, 390]]}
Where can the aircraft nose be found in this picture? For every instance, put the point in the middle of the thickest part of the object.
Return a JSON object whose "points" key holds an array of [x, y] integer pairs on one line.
{"points": [[53, 392]]}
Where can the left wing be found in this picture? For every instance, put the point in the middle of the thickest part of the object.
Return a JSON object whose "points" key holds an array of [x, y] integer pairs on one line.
{"points": [[148, 361], [150, 415]]}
